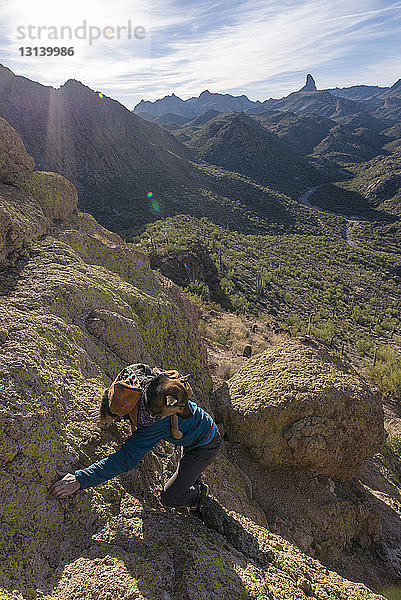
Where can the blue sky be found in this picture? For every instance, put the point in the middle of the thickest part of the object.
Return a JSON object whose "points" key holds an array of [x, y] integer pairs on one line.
{"points": [[261, 48]]}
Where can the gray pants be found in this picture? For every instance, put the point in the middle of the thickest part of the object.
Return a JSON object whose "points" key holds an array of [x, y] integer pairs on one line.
{"points": [[183, 488]]}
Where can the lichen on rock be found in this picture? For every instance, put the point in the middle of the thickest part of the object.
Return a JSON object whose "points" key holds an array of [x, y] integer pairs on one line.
{"points": [[297, 405], [13, 156], [29, 201]]}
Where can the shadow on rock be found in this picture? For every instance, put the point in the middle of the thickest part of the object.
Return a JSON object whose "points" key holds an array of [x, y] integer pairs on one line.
{"points": [[214, 517]]}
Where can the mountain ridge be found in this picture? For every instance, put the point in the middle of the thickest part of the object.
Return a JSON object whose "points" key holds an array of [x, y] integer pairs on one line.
{"points": [[359, 97]]}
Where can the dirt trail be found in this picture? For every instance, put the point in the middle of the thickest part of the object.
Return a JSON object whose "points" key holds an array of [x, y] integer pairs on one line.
{"points": [[351, 222]]}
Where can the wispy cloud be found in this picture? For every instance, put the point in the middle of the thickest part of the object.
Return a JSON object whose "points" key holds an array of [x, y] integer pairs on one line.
{"points": [[257, 47]]}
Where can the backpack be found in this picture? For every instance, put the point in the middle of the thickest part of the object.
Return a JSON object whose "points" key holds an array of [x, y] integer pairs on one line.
{"points": [[125, 391]]}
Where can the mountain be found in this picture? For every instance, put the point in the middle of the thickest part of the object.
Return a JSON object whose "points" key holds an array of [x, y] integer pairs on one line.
{"points": [[239, 143], [335, 103], [319, 102], [379, 180], [112, 156], [303, 131], [364, 93], [391, 103], [349, 141], [383, 102], [168, 104], [195, 105], [394, 91], [346, 145], [203, 117], [171, 121], [116, 159]]}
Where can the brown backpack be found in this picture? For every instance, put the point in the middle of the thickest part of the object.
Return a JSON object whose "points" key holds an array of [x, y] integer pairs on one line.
{"points": [[125, 391]]}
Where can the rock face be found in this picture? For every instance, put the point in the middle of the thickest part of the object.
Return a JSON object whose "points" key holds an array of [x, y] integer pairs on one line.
{"points": [[186, 265], [13, 156], [29, 201], [310, 85], [56, 196], [295, 405]]}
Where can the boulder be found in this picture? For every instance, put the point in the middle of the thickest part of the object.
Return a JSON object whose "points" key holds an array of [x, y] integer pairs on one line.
{"points": [[296, 405], [13, 156], [56, 196], [29, 200]]}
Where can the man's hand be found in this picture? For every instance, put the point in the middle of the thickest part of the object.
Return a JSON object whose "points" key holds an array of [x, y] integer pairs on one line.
{"points": [[65, 486]]}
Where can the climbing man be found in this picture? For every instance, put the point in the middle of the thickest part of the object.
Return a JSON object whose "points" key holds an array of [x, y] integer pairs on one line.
{"points": [[200, 439]]}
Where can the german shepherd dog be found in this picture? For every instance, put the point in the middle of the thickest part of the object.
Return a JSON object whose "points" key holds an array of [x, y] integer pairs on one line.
{"points": [[163, 397]]}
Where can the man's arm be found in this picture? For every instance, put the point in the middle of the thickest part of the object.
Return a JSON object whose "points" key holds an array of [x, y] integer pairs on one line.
{"points": [[124, 459]]}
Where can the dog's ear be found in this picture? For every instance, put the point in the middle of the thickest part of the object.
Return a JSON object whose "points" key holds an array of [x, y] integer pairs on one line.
{"points": [[184, 381], [171, 401]]}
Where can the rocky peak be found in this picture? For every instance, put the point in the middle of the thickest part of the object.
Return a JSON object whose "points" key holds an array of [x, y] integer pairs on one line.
{"points": [[396, 86], [310, 85], [5, 71], [245, 131], [75, 86], [72, 83], [392, 96]]}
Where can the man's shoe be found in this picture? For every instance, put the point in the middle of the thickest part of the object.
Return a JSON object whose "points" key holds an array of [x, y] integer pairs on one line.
{"points": [[204, 492], [199, 480]]}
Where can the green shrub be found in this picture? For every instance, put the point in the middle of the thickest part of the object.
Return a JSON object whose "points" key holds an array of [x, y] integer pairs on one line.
{"points": [[387, 371]]}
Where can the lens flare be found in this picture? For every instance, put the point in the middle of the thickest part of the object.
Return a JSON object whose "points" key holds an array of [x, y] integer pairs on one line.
{"points": [[155, 206]]}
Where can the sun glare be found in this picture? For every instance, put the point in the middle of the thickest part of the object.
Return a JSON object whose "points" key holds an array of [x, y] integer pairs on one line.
{"points": [[48, 12]]}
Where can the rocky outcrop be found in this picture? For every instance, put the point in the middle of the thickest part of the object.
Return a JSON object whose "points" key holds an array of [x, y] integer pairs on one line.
{"points": [[187, 264], [310, 85], [29, 201], [13, 156], [55, 195], [296, 405]]}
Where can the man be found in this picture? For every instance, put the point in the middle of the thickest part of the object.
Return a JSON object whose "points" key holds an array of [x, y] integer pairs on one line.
{"points": [[200, 439]]}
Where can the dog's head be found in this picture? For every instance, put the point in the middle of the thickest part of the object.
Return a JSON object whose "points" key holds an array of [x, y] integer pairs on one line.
{"points": [[165, 396]]}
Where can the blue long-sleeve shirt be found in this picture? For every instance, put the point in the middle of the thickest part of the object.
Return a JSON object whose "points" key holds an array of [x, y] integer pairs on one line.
{"points": [[196, 431]]}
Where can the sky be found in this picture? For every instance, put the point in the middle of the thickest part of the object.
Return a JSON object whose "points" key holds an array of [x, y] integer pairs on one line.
{"points": [[260, 48]]}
